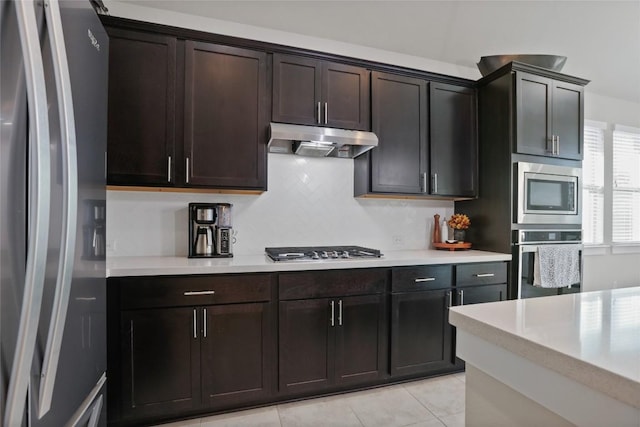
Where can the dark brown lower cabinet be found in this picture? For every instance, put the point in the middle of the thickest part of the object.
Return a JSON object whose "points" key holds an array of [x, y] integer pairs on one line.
{"points": [[160, 362], [189, 345], [306, 343], [421, 336], [480, 294], [327, 342], [234, 351]]}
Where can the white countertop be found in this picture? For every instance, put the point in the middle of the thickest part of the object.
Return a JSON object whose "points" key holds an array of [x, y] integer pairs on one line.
{"points": [[158, 266], [592, 338]]}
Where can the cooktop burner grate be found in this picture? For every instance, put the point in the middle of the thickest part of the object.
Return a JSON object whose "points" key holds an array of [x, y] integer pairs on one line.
{"points": [[321, 253]]}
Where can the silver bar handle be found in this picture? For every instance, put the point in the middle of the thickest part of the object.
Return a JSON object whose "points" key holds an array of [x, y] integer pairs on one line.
{"points": [[195, 330], [450, 295], [435, 183], [69, 205], [326, 113], [425, 279], [424, 182], [169, 169], [557, 145], [553, 145], [333, 312], [90, 402], [94, 419], [319, 108], [38, 222], [485, 275], [197, 293], [187, 174], [461, 294], [339, 312], [204, 321]]}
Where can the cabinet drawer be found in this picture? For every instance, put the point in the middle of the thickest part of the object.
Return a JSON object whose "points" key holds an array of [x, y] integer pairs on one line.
{"points": [[144, 292], [481, 274], [421, 278], [332, 283]]}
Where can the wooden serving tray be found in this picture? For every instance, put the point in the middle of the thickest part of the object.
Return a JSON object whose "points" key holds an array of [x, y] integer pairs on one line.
{"points": [[453, 246]]}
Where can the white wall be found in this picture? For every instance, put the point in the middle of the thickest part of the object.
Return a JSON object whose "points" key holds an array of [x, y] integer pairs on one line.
{"points": [[310, 202], [281, 216]]}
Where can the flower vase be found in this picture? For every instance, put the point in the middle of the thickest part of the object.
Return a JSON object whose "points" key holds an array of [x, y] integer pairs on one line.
{"points": [[459, 235]]}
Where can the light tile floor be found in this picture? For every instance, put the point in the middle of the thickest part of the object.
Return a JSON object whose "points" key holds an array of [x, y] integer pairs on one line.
{"points": [[434, 402]]}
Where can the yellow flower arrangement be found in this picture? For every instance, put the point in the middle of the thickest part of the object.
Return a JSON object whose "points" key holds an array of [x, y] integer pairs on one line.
{"points": [[459, 222]]}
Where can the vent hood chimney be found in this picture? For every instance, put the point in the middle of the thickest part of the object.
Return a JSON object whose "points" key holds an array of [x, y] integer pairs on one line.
{"points": [[319, 141]]}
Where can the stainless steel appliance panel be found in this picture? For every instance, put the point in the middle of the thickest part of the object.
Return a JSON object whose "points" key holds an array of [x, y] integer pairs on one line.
{"points": [[68, 356], [525, 248], [548, 194]]}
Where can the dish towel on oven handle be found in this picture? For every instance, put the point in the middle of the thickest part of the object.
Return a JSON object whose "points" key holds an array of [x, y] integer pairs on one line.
{"points": [[556, 266]]}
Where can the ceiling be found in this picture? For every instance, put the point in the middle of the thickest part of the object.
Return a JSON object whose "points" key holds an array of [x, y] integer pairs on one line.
{"points": [[600, 38]]}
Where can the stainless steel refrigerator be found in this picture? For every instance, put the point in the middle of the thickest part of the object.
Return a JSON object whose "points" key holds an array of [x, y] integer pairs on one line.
{"points": [[53, 112]]}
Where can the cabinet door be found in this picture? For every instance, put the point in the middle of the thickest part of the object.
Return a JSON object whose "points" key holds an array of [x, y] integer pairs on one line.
{"points": [[568, 119], [142, 90], [306, 342], [399, 118], [453, 140], [345, 92], [361, 343], [480, 294], [420, 332], [226, 115], [236, 354], [296, 90], [533, 118], [160, 362]]}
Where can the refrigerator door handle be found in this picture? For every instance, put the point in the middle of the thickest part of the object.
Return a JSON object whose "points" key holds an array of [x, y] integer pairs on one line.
{"points": [[69, 206], [38, 218], [95, 412], [88, 404]]}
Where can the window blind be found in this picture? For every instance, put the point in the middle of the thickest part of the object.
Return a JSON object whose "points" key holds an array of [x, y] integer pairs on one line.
{"points": [[626, 186], [593, 185]]}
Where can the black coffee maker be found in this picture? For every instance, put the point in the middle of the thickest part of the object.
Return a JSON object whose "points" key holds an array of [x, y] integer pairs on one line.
{"points": [[210, 230]]}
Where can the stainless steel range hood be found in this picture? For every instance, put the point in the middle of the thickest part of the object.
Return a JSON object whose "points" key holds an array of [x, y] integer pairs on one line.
{"points": [[319, 141]]}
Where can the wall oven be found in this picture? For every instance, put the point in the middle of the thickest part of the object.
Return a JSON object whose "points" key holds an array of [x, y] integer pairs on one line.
{"points": [[548, 194], [527, 244]]}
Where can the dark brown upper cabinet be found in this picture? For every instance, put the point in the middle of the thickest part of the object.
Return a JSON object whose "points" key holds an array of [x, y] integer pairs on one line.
{"points": [[226, 116], [550, 117], [399, 117], [308, 91], [453, 140], [185, 113], [427, 135], [142, 108]]}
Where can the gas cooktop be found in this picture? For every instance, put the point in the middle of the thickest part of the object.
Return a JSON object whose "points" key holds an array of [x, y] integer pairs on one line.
{"points": [[321, 253]]}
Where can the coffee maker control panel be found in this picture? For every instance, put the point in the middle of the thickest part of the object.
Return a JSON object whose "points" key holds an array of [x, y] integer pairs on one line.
{"points": [[210, 230]]}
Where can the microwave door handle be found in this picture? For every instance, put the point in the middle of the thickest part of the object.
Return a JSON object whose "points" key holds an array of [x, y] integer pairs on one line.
{"points": [[69, 206], [38, 217]]}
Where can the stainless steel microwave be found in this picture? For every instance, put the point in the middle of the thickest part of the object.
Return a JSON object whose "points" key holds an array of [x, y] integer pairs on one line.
{"points": [[548, 194]]}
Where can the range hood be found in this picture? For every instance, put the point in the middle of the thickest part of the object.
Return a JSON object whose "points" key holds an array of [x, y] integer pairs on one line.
{"points": [[319, 141]]}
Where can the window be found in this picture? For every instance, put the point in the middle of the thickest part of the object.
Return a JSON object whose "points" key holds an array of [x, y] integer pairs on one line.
{"points": [[593, 183], [626, 185]]}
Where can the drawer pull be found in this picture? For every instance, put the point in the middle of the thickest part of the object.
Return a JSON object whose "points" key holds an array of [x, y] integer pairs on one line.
{"points": [[196, 293], [425, 279], [485, 275]]}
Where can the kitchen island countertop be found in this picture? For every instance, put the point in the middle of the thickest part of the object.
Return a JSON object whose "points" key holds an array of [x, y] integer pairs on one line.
{"points": [[161, 266], [577, 355]]}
